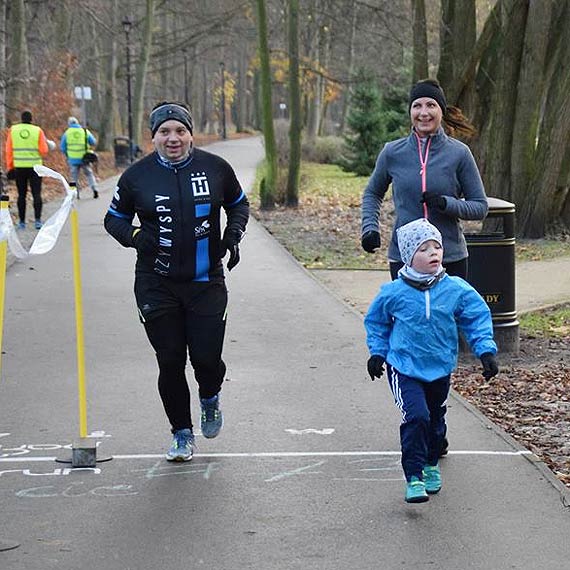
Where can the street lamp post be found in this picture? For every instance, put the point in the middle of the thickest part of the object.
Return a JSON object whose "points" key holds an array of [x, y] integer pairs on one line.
{"points": [[222, 68], [127, 25]]}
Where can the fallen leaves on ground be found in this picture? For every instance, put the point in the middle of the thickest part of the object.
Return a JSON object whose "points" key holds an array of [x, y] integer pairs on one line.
{"points": [[529, 399]]}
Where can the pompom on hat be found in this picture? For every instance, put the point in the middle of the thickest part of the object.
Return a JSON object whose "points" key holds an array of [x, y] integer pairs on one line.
{"points": [[169, 111], [412, 235], [428, 88]]}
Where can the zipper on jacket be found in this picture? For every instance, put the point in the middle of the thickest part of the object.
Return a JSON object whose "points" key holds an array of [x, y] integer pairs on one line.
{"points": [[428, 303]]}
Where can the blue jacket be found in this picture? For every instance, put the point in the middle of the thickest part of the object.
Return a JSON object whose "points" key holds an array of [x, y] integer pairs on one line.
{"points": [[91, 141], [451, 172], [415, 331]]}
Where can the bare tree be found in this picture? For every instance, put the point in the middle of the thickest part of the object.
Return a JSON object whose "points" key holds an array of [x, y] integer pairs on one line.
{"points": [[292, 198], [269, 183]]}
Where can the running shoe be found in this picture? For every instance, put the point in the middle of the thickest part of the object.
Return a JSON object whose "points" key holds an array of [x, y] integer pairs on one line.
{"points": [[182, 446], [416, 491], [212, 420], [432, 479]]}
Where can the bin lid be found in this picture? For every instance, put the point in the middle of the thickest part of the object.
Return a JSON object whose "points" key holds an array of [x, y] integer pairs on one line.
{"points": [[498, 204], [121, 139]]}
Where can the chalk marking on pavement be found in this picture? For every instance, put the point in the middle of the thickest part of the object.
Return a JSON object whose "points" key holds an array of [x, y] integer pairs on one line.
{"points": [[262, 454], [298, 471]]}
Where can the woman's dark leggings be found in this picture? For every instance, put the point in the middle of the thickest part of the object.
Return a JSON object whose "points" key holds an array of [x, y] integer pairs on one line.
{"points": [[458, 268], [171, 335]]}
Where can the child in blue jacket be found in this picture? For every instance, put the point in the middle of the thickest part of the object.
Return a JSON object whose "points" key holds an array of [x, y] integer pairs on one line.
{"points": [[411, 327]]}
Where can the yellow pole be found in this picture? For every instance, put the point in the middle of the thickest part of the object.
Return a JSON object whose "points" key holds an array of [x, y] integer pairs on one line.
{"points": [[79, 324], [3, 257]]}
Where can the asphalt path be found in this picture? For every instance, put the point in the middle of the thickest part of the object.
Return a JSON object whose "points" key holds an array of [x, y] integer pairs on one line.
{"points": [[305, 474]]}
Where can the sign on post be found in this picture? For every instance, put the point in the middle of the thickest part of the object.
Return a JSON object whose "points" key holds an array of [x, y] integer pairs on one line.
{"points": [[83, 93]]}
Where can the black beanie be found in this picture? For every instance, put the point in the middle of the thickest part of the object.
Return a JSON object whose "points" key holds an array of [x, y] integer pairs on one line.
{"points": [[166, 112], [428, 88], [26, 116]]}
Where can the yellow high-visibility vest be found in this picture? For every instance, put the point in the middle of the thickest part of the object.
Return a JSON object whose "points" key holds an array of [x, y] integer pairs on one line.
{"points": [[76, 139], [25, 141]]}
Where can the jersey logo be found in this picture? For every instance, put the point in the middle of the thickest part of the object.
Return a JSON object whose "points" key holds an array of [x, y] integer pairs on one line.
{"points": [[202, 230], [200, 186]]}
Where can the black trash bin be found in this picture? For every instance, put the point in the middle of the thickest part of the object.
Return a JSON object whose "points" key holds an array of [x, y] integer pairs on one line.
{"points": [[492, 271], [121, 148]]}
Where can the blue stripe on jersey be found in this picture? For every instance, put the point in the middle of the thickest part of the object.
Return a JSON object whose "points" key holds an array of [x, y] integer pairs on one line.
{"points": [[241, 196], [202, 260], [202, 210], [119, 215]]}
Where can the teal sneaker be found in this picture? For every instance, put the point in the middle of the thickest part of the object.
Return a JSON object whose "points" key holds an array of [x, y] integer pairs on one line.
{"points": [[182, 447], [432, 479], [416, 491], [212, 420]]}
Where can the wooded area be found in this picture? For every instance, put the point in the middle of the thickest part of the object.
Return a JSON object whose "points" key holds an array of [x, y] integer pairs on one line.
{"points": [[504, 62]]}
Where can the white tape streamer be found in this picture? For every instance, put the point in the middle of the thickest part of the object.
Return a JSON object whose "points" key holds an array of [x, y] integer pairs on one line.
{"points": [[46, 237]]}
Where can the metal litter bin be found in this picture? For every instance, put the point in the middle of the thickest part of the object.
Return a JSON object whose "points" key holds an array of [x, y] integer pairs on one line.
{"points": [[121, 148], [491, 271]]}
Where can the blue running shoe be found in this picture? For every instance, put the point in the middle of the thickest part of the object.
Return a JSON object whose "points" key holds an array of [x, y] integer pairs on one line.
{"points": [[432, 479], [182, 447], [38, 224], [212, 420], [21, 225], [416, 491]]}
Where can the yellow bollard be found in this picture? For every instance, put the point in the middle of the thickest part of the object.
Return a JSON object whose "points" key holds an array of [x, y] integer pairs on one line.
{"points": [[79, 324], [3, 257]]}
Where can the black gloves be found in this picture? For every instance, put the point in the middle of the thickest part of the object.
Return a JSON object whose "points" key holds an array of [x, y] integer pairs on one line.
{"points": [[434, 201], [370, 241], [230, 242], [490, 367], [375, 366], [144, 243]]}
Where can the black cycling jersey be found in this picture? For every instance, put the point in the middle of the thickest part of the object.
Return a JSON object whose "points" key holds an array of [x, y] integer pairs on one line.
{"points": [[180, 205]]}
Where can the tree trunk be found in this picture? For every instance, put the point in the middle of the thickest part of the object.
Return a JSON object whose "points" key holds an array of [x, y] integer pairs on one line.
{"points": [[2, 68], [241, 102], [499, 136], [313, 111], [419, 47], [141, 72], [528, 105], [106, 128], [458, 35], [268, 189], [19, 70], [294, 107], [350, 65], [545, 200]]}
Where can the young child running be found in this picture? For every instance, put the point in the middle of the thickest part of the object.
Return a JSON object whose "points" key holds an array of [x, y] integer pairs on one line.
{"points": [[411, 326]]}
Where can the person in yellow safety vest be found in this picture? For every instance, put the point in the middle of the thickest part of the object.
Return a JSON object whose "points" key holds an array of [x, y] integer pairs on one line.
{"points": [[25, 146], [75, 142]]}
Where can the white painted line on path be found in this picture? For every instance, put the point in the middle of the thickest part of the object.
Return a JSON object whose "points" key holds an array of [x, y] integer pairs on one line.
{"points": [[25, 459]]}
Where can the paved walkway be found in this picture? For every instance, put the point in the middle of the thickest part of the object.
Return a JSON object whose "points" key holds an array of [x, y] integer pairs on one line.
{"points": [[305, 474], [538, 284]]}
